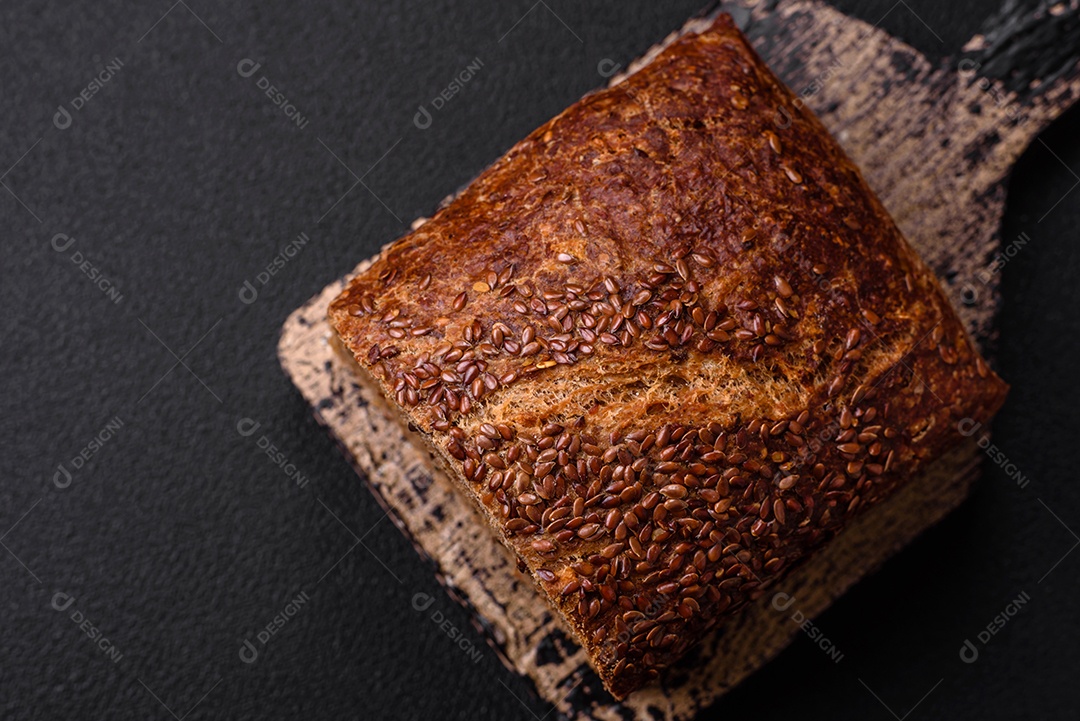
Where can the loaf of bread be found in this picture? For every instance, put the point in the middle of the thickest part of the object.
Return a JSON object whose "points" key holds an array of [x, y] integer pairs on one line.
{"points": [[670, 344]]}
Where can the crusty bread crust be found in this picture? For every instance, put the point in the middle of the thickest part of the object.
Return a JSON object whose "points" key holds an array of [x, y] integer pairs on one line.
{"points": [[670, 343]]}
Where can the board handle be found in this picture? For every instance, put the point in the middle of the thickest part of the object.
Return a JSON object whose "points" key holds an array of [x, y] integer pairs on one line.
{"points": [[1023, 67]]}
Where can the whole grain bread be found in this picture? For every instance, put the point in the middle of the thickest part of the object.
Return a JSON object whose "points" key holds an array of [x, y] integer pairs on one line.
{"points": [[670, 343]]}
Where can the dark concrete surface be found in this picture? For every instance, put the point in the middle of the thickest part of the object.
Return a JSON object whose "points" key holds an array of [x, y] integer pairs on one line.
{"points": [[131, 225]]}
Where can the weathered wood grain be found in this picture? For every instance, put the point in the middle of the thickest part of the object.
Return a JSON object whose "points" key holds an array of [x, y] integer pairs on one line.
{"points": [[936, 142]]}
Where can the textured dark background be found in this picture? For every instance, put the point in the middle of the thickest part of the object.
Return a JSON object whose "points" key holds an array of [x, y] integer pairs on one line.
{"points": [[180, 538]]}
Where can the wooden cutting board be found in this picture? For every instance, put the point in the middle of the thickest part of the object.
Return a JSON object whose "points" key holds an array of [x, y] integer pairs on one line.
{"points": [[936, 141]]}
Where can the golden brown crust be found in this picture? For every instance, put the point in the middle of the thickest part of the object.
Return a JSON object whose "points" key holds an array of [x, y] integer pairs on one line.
{"points": [[669, 343]]}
